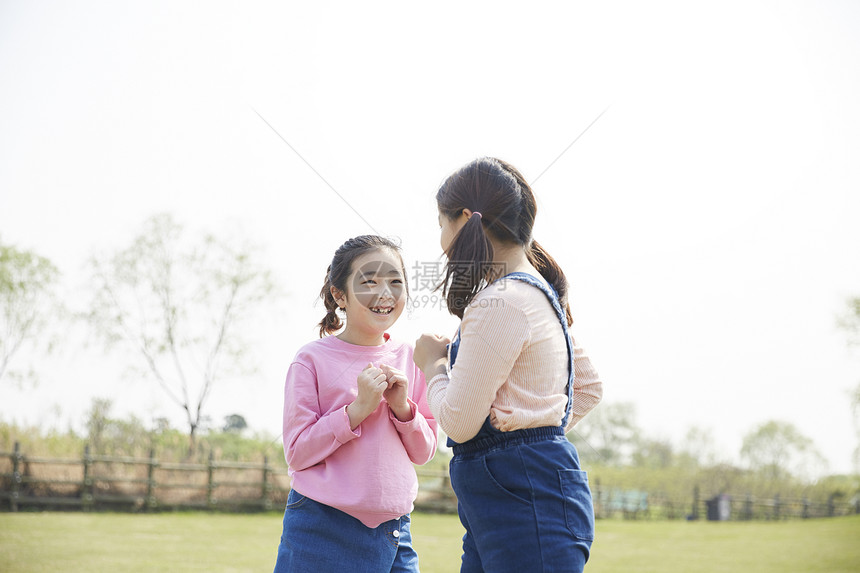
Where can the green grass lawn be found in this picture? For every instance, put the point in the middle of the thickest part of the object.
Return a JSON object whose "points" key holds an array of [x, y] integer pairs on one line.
{"points": [[184, 542]]}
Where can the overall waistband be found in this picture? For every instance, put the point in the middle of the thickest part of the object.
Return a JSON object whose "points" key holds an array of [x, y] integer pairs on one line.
{"points": [[503, 439]]}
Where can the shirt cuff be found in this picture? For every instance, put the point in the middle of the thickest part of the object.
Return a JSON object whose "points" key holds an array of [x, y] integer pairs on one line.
{"points": [[437, 378], [342, 431], [436, 391], [408, 425]]}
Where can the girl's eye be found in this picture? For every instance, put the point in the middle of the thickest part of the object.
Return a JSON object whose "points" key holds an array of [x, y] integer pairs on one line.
{"points": [[370, 282]]}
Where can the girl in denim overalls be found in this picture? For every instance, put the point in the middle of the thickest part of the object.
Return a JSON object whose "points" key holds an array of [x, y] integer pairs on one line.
{"points": [[511, 383]]}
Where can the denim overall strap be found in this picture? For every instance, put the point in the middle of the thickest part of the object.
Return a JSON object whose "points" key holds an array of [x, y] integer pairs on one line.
{"points": [[487, 430], [549, 291]]}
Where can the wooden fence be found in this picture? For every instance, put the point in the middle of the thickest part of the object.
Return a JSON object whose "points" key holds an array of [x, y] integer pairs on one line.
{"points": [[95, 482], [612, 502], [105, 482]]}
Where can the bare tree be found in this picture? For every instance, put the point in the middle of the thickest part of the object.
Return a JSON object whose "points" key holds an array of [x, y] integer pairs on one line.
{"points": [[27, 303], [180, 305]]}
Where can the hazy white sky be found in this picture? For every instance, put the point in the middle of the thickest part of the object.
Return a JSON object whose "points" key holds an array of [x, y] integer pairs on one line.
{"points": [[708, 221]]}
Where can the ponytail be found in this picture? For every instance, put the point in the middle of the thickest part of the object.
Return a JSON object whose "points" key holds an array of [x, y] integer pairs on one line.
{"points": [[507, 208], [551, 271], [469, 261], [331, 322]]}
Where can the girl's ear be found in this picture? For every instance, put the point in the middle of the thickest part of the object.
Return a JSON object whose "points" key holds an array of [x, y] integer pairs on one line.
{"points": [[339, 296]]}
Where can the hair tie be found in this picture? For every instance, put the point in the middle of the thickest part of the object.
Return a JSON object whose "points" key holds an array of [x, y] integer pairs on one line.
{"points": [[476, 214]]}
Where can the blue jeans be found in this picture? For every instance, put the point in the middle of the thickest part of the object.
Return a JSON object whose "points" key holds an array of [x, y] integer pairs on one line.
{"points": [[525, 503], [320, 538]]}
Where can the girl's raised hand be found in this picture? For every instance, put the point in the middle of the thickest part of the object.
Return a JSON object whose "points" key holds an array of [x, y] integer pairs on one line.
{"points": [[397, 393], [431, 354], [372, 383]]}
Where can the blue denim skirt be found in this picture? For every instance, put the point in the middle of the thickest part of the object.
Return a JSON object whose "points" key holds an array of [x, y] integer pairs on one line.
{"points": [[524, 502], [317, 537]]}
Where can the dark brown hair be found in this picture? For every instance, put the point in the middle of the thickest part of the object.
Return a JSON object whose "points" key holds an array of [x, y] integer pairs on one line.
{"points": [[507, 205], [339, 270]]}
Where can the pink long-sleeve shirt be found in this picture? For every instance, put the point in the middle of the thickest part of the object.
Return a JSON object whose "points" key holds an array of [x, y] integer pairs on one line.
{"points": [[366, 472]]}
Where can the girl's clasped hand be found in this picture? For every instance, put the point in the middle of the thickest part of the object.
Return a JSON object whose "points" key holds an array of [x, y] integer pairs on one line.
{"points": [[396, 392], [376, 384]]}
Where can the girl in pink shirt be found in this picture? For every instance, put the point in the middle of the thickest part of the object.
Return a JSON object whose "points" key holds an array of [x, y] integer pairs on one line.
{"points": [[355, 421]]}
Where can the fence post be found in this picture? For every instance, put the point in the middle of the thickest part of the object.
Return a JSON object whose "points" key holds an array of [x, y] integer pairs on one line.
{"points": [[805, 513], [695, 513], [151, 502], [267, 487], [748, 507], [776, 506], [87, 489], [210, 486], [16, 476]]}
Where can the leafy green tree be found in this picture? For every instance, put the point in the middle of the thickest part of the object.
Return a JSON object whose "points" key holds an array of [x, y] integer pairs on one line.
{"points": [[699, 448], [27, 304], [850, 322], [234, 424], [115, 436], [656, 454], [97, 421], [180, 304], [778, 450], [608, 433]]}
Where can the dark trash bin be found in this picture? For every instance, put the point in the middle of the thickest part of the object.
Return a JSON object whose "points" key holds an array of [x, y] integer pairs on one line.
{"points": [[719, 508]]}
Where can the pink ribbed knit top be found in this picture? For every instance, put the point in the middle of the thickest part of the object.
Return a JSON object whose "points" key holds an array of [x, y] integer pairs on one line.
{"points": [[512, 365]]}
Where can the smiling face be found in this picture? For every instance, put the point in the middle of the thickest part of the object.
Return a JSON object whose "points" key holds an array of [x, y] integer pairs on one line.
{"points": [[375, 296]]}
